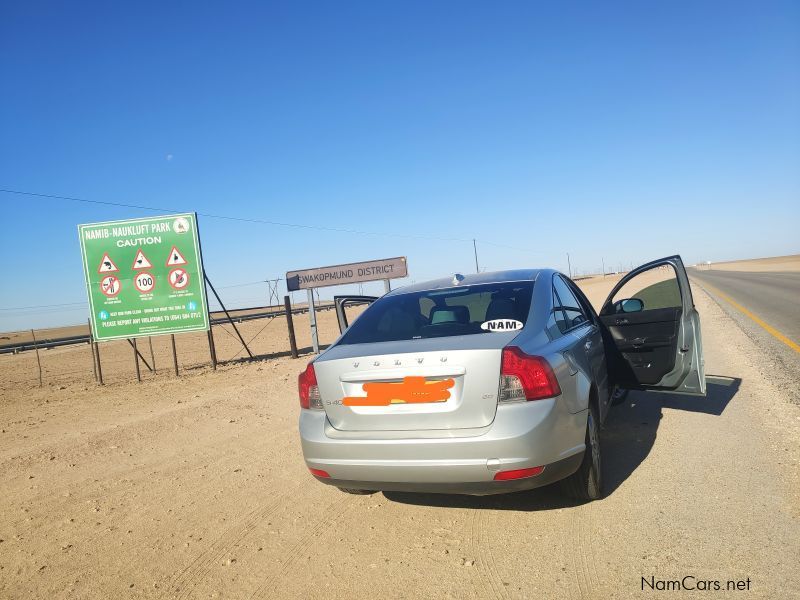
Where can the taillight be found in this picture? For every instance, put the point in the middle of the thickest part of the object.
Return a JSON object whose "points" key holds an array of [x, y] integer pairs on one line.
{"points": [[319, 472], [517, 473], [525, 377], [308, 388]]}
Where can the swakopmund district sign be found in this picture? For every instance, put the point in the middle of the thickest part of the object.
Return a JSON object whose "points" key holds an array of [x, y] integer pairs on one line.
{"points": [[371, 270], [144, 276]]}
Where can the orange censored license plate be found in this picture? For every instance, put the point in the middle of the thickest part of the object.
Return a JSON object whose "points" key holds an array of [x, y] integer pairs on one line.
{"points": [[412, 390]]}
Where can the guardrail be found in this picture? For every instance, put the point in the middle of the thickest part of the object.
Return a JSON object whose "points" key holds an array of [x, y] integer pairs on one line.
{"points": [[271, 312]]}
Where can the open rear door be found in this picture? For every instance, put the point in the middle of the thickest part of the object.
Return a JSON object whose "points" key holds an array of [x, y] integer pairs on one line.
{"points": [[343, 303], [652, 330]]}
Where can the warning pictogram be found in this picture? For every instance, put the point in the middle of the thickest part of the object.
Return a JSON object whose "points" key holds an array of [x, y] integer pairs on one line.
{"points": [[110, 286], [144, 282], [107, 265], [144, 276], [141, 262], [175, 258], [178, 278]]}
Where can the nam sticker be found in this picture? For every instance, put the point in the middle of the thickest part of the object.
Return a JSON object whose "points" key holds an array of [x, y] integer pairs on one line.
{"points": [[501, 325]]}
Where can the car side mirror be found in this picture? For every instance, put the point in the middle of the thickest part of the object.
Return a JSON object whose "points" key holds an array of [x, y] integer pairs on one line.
{"points": [[629, 305]]}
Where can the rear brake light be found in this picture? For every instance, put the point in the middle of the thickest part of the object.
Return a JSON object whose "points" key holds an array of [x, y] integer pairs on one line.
{"points": [[318, 472], [525, 377], [517, 473], [308, 388]]}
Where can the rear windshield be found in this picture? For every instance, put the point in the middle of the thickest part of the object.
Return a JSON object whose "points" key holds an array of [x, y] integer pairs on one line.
{"points": [[440, 313]]}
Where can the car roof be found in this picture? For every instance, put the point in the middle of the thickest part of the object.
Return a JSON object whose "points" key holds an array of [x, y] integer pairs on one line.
{"points": [[473, 279]]}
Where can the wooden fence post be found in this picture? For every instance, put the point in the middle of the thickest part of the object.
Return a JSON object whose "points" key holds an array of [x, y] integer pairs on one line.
{"points": [[38, 360], [152, 355], [212, 349], [174, 355], [136, 361], [91, 346], [99, 365], [290, 325]]}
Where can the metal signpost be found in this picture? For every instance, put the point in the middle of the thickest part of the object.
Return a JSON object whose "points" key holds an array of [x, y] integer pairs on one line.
{"points": [[371, 270], [144, 277]]}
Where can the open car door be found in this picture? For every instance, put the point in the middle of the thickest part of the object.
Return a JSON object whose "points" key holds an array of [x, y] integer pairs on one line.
{"points": [[652, 330], [343, 302]]}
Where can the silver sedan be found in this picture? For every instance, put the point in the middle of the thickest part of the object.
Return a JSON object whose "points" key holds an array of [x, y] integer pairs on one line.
{"points": [[492, 383]]}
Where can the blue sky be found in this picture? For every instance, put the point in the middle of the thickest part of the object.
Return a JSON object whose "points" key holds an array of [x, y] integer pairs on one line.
{"points": [[615, 131]]}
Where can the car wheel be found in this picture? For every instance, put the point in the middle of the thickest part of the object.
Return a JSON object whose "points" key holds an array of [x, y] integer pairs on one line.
{"points": [[587, 482], [618, 396], [357, 492]]}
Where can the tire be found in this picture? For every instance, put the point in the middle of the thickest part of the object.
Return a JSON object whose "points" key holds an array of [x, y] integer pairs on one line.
{"points": [[618, 396], [586, 484], [357, 492]]}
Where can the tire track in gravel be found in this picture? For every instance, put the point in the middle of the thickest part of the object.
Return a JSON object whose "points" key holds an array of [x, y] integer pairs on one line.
{"points": [[584, 555], [579, 552], [188, 578], [567, 545], [121, 516], [334, 511], [485, 566]]}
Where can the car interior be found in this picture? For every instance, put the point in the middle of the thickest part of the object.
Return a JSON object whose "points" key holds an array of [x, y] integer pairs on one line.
{"points": [[642, 320]]}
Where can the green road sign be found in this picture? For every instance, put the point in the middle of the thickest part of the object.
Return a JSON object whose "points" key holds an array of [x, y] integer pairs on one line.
{"points": [[144, 276]]}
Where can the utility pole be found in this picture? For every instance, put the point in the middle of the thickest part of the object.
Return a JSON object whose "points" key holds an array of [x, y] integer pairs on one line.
{"points": [[604, 266], [569, 266], [475, 248]]}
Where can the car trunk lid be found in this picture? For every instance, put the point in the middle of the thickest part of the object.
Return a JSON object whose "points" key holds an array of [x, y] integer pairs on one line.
{"points": [[470, 378]]}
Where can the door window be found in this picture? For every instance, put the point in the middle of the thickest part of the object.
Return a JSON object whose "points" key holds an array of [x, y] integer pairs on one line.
{"points": [[573, 313], [556, 324], [353, 310], [653, 289]]}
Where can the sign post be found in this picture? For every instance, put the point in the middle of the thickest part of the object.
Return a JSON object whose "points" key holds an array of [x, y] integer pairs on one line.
{"points": [[371, 270], [312, 318], [144, 277]]}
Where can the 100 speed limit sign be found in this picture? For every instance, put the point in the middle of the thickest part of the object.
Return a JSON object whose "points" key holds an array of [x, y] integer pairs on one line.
{"points": [[144, 282]]}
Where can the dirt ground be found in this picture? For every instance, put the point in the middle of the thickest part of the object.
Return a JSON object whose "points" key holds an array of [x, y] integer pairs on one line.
{"points": [[195, 487], [72, 365]]}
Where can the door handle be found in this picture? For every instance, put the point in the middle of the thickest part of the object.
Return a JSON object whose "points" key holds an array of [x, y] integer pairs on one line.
{"points": [[638, 342], [622, 321], [588, 345]]}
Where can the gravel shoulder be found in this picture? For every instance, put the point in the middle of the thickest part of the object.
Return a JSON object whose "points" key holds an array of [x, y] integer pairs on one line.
{"points": [[195, 487]]}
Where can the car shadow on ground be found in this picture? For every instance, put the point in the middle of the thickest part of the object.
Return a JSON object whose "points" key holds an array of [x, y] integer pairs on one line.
{"points": [[627, 437]]}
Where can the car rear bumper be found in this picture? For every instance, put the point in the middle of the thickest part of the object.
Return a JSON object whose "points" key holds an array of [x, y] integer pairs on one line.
{"points": [[523, 435]]}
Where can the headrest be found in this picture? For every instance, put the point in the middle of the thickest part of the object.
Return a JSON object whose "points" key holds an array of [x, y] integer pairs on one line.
{"points": [[501, 308], [449, 314]]}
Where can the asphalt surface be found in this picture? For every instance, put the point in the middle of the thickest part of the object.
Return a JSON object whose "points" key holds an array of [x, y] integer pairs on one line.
{"points": [[773, 297]]}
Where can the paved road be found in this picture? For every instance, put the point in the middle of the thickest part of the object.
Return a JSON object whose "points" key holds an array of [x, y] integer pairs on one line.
{"points": [[774, 297], [774, 300]]}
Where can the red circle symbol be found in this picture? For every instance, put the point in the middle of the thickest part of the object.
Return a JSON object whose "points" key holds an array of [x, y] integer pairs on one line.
{"points": [[144, 282], [178, 278], [110, 286]]}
